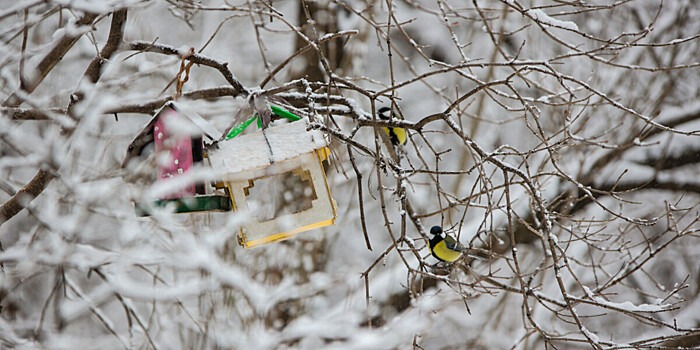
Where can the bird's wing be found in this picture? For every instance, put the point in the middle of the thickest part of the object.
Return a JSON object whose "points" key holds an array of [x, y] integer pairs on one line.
{"points": [[393, 136], [453, 244]]}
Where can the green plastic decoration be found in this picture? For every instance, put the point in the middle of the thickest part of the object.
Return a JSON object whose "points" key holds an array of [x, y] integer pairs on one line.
{"points": [[240, 127], [284, 113], [279, 111], [187, 204]]}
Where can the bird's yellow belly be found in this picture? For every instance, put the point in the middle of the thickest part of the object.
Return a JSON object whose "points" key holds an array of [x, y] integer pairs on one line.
{"points": [[444, 253], [401, 135], [386, 130], [399, 132]]}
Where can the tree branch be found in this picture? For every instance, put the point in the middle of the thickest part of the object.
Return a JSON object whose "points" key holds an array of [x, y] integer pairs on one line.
{"points": [[116, 33], [148, 107], [43, 177], [30, 113], [690, 155], [222, 67], [25, 195], [50, 60]]}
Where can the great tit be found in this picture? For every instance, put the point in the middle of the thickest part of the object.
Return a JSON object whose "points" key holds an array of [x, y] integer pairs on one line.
{"points": [[444, 247], [396, 135]]}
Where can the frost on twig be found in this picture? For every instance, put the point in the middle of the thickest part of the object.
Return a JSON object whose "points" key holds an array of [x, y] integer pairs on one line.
{"points": [[557, 141]]}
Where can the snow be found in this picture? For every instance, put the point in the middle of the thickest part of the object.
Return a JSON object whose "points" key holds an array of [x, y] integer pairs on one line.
{"points": [[96, 6], [190, 284], [630, 307], [340, 33], [590, 335], [264, 147], [627, 305], [190, 112], [544, 18]]}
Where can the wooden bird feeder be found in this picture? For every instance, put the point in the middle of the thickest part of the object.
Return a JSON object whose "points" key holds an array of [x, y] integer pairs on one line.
{"points": [[174, 139], [276, 178]]}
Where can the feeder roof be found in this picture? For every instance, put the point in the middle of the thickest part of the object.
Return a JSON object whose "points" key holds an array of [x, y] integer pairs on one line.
{"points": [[264, 147], [207, 128], [146, 135]]}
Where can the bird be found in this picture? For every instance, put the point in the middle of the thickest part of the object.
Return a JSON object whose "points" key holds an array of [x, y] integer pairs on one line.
{"points": [[397, 136], [444, 247]]}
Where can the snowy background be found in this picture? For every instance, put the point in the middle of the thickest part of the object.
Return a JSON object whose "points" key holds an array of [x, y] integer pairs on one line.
{"points": [[566, 157]]}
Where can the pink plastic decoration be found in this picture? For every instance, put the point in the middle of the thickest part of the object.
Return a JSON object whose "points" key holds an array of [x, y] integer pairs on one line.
{"points": [[177, 147]]}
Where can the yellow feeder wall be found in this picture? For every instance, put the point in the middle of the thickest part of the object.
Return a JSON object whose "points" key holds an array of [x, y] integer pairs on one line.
{"points": [[287, 149]]}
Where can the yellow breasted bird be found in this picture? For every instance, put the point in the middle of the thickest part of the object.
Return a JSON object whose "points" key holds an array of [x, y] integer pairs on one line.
{"points": [[396, 135], [443, 246]]}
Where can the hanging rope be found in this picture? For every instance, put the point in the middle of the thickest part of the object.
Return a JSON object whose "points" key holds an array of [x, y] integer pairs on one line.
{"points": [[184, 74]]}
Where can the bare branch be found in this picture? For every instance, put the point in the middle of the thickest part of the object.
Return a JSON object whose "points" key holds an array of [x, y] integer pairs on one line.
{"points": [[52, 58], [222, 67]]}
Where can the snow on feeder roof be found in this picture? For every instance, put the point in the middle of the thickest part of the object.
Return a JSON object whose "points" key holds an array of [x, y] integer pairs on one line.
{"points": [[263, 149], [281, 164]]}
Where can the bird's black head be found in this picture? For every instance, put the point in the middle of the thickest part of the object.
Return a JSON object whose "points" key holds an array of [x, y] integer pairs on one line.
{"points": [[435, 230], [384, 112]]}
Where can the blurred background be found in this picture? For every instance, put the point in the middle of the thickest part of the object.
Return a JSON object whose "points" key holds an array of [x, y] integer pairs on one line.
{"points": [[558, 140]]}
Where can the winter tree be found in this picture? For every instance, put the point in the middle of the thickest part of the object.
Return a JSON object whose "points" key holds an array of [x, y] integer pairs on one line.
{"points": [[558, 140]]}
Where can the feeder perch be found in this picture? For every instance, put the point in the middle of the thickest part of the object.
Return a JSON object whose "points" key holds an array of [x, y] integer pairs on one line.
{"points": [[176, 136], [275, 176]]}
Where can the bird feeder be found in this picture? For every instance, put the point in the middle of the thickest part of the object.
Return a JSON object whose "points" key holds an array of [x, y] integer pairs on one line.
{"points": [[176, 136], [275, 177]]}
